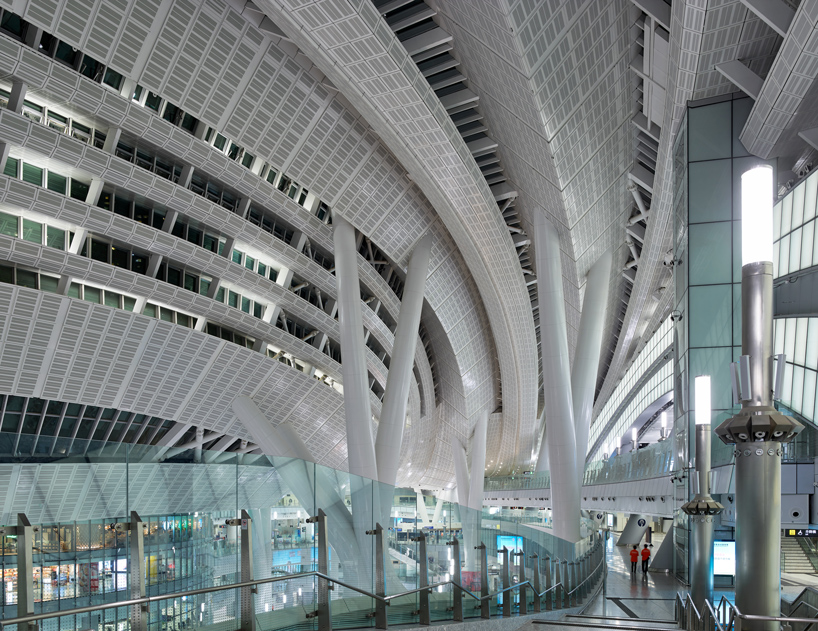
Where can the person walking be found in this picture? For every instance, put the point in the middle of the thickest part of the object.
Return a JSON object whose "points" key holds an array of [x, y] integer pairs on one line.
{"points": [[645, 558], [634, 559]]}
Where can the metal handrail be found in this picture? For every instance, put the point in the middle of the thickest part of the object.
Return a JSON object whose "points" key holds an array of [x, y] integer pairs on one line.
{"points": [[804, 602], [687, 607], [587, 578], [263, 581]]}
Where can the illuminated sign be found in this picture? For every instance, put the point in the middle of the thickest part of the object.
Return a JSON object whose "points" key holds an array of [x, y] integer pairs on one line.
{"points": [[801, 532], [514, 544], [724, 558]]}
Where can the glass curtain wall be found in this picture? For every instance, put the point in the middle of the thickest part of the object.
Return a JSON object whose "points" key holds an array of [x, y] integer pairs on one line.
{"points": [[708, 161]]}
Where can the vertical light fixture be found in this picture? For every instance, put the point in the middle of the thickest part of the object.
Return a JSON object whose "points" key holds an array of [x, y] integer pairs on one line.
{"points": [[702, 508], [757, 215], [702, 393], [664, 423], [758, 429]]}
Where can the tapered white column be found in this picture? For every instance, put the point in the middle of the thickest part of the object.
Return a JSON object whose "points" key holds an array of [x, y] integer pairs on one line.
{"points": [[461, 472], [589, 348], [360, 446], [423, 514], [310, 485], [438, 510], [478, 462], [396, 394], [559, 415]]}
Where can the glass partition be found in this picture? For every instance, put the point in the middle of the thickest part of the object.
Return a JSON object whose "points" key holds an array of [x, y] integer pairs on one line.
{"points": [[85, 495]]}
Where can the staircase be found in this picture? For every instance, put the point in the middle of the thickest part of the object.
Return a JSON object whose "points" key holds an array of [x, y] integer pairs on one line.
{"points": [[793, 558]]}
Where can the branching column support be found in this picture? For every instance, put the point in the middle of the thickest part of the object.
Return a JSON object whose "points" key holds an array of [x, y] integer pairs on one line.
{"points": [[589, 348], [559, 415]]}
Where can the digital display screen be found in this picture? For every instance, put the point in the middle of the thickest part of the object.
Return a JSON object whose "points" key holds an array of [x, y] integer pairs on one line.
{"points": [[514, 544], [724, 558]]}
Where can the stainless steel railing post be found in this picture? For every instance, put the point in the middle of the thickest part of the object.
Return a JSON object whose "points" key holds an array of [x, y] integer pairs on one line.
{"points": [[423, 595], [536, 571], [523, 595]]}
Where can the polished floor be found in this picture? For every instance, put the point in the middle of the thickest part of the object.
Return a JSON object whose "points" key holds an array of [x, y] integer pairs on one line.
{"points": [[628, 596], [639, 599]]}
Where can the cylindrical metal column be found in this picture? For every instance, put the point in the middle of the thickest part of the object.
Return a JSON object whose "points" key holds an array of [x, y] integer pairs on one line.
{"points": [[559, 415], [360, 446], [396, 393], [702, 510], [757, 329], [701, 559], [589, 347], [758, 431]]}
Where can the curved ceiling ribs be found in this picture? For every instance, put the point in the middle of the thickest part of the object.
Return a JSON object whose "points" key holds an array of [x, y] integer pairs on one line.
{"points": [[359, 54]]}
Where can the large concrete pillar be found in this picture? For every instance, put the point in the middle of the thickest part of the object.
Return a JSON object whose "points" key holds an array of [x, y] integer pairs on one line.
{"points": [[589, 348], [559, 415], [438, 510], [360, 446], [473, 520], [399, 379]]}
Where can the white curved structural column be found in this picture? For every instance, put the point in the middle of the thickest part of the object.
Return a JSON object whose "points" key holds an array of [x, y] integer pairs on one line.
{"points": [[360, 447], [399, 378], [311, 485], [353, 46], [559, 415], [461, 472], [478, 462], [589, 348]]}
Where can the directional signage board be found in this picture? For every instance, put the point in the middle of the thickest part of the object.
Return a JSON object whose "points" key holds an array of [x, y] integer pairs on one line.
{"points": [[802, 532]]}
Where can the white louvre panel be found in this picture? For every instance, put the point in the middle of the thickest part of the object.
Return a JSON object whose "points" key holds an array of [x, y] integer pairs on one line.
{"points": [[104, 223], [176, 373], [152, 182], [355, 143], [81, 268], [399, 104], [52, 493]]}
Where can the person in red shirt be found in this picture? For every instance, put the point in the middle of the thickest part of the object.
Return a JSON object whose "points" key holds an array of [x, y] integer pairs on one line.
{"points": [[634, 559], [645, 558]]}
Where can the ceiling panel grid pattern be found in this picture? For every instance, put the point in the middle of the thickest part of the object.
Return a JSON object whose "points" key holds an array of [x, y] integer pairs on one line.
{"points": [[786, 89], [157, 130], [173, 372]]}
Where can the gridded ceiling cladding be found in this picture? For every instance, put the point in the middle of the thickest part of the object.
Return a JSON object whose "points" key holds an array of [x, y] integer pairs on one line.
{"points": [[217, 65], [96, 355]]}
